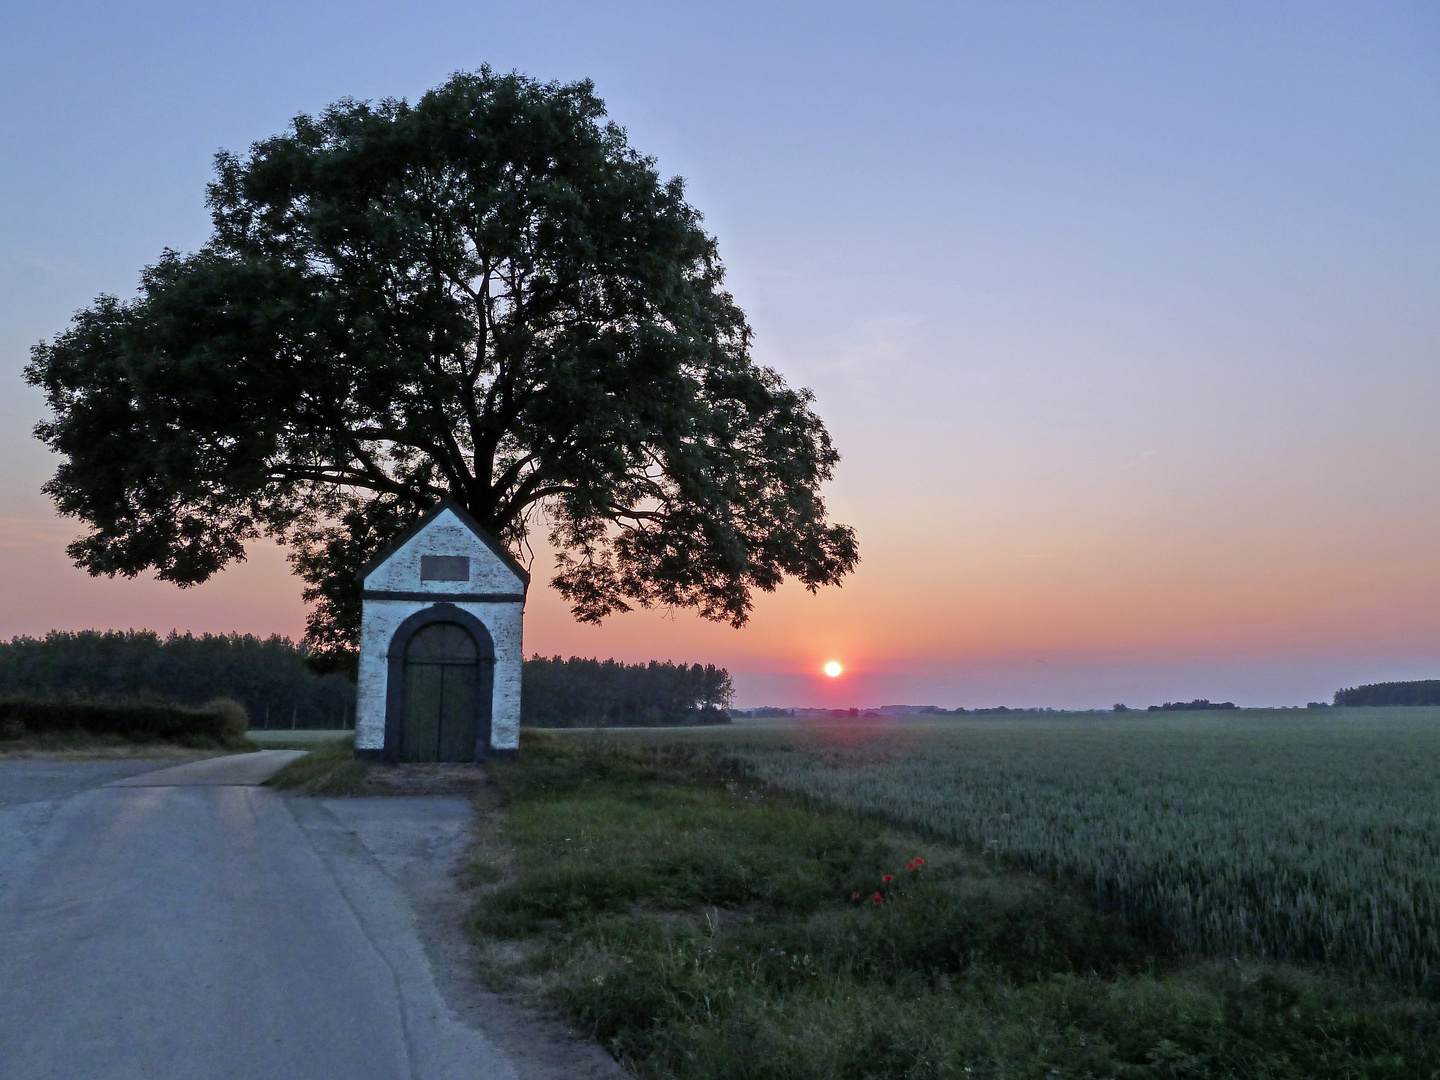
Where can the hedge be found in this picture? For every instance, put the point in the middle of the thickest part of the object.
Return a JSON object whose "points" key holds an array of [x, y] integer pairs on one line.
{"points": [[221, 721]]}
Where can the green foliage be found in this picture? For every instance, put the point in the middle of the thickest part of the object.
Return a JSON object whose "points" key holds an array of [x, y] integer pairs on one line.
{"points": [[1301, 835], [592, 693], [269, 677], [220, 723], [704, 929], [1419, 692], [487, 294]]}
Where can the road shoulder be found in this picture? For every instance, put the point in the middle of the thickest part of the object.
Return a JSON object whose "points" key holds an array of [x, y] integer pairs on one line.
{"points": [[419, 846]]}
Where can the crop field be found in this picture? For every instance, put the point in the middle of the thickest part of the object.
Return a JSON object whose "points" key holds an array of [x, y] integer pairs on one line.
{"points": [[1294, 835]]}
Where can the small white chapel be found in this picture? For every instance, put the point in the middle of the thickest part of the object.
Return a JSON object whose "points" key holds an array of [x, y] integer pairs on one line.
{"points": [[440, 644]]}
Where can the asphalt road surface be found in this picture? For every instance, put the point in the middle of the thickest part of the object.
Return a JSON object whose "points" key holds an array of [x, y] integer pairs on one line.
{"points": [[184, 923]]}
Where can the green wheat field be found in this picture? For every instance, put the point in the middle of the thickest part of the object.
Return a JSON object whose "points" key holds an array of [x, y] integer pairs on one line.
{"points": [[1310, 835]]}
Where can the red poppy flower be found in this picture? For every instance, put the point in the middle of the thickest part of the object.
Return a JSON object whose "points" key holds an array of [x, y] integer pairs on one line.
{"points": [[910, 865], [888, 877], [877, 899], [919, 862], [854, 896]]}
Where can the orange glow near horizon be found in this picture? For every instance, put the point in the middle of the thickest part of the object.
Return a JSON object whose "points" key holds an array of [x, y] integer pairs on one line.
{"points": [[938, 591], [934, 618], [917, 602]]}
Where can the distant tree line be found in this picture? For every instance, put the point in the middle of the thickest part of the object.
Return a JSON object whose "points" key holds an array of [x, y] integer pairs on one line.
{"points": [[606, 693], [1418, 692], [768, 712], [271, 678], [268, 676], [1197, 704]]}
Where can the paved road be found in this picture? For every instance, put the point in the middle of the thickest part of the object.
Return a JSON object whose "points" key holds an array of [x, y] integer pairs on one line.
{"points": [[27, 780], [208, 928]]}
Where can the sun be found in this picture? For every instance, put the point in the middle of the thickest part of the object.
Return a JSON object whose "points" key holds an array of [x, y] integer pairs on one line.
{"points": [[833, 668]]}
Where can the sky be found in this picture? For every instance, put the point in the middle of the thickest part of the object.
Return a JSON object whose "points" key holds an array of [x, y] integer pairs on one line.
{"points": [[1125, 317]]}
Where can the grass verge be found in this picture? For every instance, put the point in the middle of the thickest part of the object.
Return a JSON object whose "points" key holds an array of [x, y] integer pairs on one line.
{"points": [[329, 769], [299, 738], [707, 929]]}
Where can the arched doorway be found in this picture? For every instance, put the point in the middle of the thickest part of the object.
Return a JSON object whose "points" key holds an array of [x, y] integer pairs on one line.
{"points": [[445, 694]]}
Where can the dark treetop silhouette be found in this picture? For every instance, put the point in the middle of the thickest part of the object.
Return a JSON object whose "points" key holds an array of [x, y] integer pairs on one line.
{"points": [[486, 294]]}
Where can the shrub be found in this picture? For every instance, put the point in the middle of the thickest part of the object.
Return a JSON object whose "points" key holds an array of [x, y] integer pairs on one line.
{"points": [[232, 715]]}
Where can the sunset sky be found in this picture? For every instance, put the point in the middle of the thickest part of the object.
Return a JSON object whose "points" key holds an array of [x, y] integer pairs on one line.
{"points": [[1125, 317]]}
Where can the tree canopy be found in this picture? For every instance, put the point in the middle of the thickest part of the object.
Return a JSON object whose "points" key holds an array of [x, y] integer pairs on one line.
{"points": [[486, 294]]}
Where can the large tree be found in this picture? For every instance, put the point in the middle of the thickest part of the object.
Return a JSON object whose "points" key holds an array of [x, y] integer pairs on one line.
{"points": [[486, 295]]}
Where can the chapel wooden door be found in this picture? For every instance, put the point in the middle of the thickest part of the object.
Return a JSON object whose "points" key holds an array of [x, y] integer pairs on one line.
{"points": [[447, 699]]}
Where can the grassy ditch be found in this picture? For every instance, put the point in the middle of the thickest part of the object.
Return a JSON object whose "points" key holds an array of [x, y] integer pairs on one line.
{"points": [[706, 928]]}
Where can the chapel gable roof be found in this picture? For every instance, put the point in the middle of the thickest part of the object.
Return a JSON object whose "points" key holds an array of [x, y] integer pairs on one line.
{"points": [[481, 533]]}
